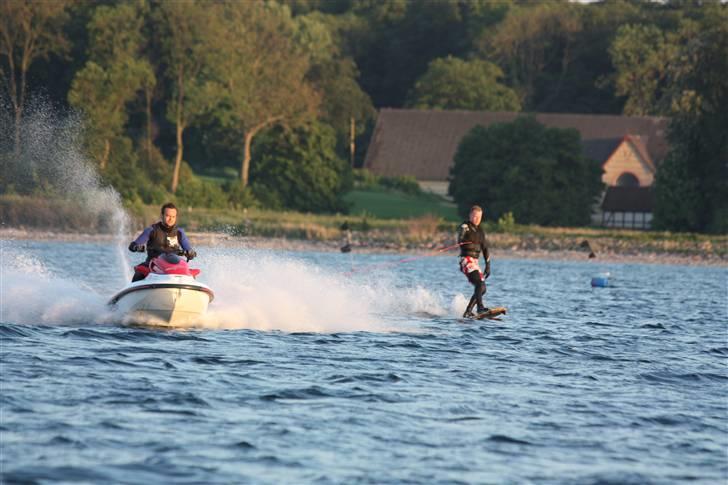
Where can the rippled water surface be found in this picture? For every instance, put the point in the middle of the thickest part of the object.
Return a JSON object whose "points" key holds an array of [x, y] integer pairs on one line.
{"points": [[309, 372]]}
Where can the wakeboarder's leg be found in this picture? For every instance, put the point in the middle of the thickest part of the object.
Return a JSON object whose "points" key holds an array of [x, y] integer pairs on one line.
{"points": [[476, 279]]}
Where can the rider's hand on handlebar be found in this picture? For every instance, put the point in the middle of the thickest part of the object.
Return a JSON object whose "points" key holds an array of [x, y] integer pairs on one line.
{"points": [[136, 248], [190, 254]]}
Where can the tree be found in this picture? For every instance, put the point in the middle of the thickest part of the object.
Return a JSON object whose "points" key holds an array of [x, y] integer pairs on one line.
{"points": [[335, 76], [186, 43], [640, 54], [113, 76], [400, 38], [530, 43], [29, 30], [452, 83], [260, 72], [539, 174], [691, 187], [300, 170]]}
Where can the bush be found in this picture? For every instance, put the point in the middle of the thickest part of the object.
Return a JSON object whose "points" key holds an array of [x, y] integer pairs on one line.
{"points": [[364, 179], [407, 184], [300, 170], [506, 222], [195, 192], [538, 174], [240, 197]]}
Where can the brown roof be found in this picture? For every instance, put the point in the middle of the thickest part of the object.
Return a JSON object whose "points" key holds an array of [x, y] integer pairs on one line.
{"points": [[600, 149], [422, 143], [628, 199]]}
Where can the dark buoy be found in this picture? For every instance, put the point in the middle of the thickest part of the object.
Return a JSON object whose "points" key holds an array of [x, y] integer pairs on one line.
{"points": [[586, 245], [345, 237]]}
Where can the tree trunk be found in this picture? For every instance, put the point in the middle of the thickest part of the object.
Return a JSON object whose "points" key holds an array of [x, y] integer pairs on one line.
{"points": [[177, 157], [18, 120], [180, 124], [352, 141], [248, 142], [105, 157], [20, 104], [246, 158], [149, 124]]}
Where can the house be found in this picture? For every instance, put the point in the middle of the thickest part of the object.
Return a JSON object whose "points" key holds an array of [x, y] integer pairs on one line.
{"points": [[422, 143]]}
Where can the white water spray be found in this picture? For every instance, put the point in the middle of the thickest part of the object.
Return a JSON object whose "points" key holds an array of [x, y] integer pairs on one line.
{"points": [[51, 159]]}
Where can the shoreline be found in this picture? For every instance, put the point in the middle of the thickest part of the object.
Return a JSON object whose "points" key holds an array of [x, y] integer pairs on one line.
{"points": [[279, 243]]}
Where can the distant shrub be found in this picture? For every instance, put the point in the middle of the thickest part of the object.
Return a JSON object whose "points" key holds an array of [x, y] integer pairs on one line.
{"points": [[195, 192], [423, 228], [365, 180], [406, 183], [240, 197], [506, 222], [300, 170]]}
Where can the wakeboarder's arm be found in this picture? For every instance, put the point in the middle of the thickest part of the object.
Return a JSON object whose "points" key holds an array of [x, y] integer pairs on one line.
{"points": [[486, 254]]}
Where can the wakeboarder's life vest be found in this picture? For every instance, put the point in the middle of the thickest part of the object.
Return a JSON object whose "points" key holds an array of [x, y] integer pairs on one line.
{"points": [[471, 239]]}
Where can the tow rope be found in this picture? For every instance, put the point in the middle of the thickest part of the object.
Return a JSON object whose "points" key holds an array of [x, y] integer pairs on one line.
{"points": [[371, 267]]}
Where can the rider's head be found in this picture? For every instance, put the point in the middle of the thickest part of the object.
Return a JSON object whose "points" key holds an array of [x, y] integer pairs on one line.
{"points": [[476, 214], [169, 214]]}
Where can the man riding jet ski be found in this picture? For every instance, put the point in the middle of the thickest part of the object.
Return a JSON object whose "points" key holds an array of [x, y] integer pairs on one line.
{"points": [[161, 237], [164, 290]]}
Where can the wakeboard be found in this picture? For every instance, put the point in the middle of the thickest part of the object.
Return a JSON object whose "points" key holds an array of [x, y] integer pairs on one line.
{"points": [[491, 314]]}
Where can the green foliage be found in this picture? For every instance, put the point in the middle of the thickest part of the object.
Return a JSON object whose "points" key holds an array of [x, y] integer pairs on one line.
{"points": [[240, 197], [387, 204], [29, 31], [299, 169], [539, 174], [692, 184], [396, 40], [640, 54], [407, 184], [260, 72], [534, 46], [112, 77], [188, 41], [125, 175], [224, 72], [506, 222], [196, 192], [334, 75], [452, 83]]}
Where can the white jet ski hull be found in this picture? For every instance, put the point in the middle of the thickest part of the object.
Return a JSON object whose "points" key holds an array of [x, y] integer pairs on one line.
{"points": [[163, 300]]}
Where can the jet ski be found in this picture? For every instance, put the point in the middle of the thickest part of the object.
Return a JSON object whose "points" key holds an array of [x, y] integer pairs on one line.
{"points": [[169, 295]]}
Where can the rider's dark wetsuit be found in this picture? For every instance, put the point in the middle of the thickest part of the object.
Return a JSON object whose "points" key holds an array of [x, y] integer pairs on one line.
{"points": [[472, 241], [160, 238]]}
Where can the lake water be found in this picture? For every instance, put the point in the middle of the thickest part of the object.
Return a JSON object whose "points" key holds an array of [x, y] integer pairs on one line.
{"points": [[309, 372]]}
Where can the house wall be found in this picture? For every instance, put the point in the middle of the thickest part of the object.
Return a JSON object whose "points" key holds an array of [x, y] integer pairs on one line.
{"points": [[436, 187], [627, 220], [626, 159]]}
